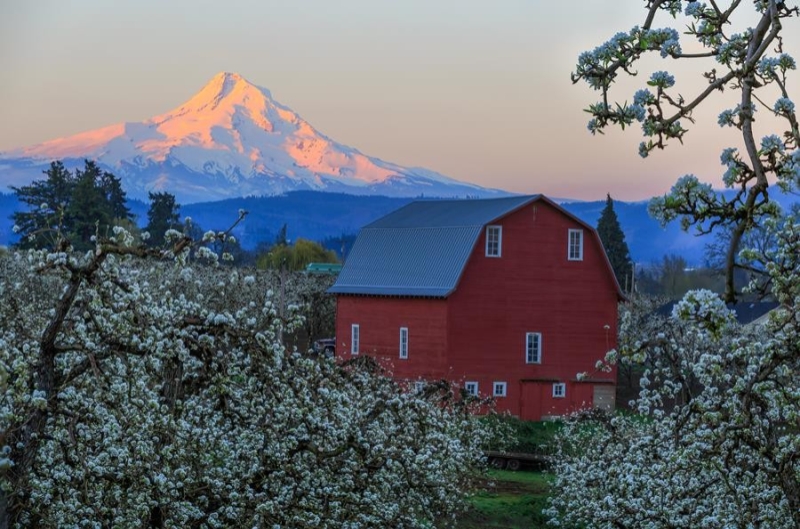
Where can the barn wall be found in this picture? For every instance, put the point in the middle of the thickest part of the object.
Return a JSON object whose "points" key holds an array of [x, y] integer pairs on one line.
{"points": [[380, 320], [532, 287]]}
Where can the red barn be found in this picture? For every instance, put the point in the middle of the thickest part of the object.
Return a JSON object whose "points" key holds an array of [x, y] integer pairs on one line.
{"points": [[510, 297]]}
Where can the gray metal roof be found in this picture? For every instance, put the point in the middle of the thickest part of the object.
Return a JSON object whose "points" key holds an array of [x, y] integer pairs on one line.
{"points": [[420, 249]]}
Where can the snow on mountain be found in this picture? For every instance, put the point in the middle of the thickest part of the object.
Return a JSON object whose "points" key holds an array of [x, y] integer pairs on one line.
{"points": [[231, 139]]}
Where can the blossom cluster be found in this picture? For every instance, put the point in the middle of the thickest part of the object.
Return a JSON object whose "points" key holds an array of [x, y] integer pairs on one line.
{"points": [[138, 393]]}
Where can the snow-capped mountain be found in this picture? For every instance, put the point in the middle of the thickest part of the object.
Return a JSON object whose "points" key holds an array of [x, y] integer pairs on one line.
{"points": [[231, 139]]}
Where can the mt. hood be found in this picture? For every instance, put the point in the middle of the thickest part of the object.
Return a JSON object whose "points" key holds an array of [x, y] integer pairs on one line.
{"points": [[231, 139]]}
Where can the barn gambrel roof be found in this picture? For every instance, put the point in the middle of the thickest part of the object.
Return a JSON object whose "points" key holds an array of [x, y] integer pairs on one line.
{"points": [[422, 248]]}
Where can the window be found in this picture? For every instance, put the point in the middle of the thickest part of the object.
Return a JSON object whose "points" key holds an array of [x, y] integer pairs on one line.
{"points": [[533, 348], [403, 342], [472, 388], [559, 390], [499, 389], [494, 241], [575, 245], [355, 338]]}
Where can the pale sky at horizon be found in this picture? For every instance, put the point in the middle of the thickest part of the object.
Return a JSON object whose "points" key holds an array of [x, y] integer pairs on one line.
{"points": [[478, 91]]}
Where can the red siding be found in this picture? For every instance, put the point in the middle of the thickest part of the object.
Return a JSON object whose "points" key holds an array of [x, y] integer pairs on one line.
{"points": [[380, 319], [533, 287], [478, 333]]}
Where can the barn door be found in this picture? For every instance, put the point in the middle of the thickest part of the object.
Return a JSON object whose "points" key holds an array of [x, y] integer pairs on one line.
{"points": [[530, 401], [604, 397]]}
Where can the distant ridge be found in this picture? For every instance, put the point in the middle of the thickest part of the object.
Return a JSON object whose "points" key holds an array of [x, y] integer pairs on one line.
{"points": [[231, 139]]}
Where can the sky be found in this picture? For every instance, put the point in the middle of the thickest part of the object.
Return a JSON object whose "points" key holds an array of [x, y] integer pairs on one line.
{"points": [[479, 91]]}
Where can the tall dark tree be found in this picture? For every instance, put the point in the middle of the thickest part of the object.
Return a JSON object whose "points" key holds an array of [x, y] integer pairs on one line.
{"points": [[163, 215], [614, 243], [47, 201], [89, 211], [281, 239], [115, 197]]}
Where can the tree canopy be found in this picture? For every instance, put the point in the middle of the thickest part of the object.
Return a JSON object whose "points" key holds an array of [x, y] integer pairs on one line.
{"points": [[79, 205], [296, 256], [147, 393], [714, 441], [750, 61]]}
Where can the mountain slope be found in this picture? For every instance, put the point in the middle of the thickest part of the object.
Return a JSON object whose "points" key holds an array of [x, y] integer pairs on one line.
{"points": [[231, 139]]}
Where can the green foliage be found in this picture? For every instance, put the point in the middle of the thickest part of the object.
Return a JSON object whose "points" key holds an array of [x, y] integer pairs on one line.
{"points": [[162, 216], [295, 257], [78, 205], [614, 243]]}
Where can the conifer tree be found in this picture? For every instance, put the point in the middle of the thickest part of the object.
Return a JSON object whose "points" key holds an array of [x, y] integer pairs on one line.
{"points": [[614, 242], [163, 215], [47, 201], [89, 211], [77, 205]]}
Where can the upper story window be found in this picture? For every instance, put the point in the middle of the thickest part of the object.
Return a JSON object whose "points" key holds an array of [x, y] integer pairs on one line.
{"points": [[499, 389], [533, 348], [494, 241], [559, 390], [471, 388], [575, 252], [403, 342], [355, 338]]}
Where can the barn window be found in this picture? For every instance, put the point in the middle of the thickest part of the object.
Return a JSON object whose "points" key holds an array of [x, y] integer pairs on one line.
{"points": [[355, 338], [499, 389], [533, 348], [494, 241], [403, 342], [575, 245], [559, 390], [472, 388]]}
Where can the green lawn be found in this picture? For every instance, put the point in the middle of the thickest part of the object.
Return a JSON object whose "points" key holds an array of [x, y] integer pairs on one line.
{"points": [[512, 500]]}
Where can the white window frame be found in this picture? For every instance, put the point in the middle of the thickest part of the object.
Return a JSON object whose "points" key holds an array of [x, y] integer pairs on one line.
{"points": [[535, 337], [499, 231], [577, 246], [559, 390], [503, 389], [355, 338], [404, 343], [471, 386]]}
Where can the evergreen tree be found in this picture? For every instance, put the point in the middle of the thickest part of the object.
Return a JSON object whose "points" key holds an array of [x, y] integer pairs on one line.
{"points": [[614, 243], [163, 215], [115, 197], [89, 211], [75, 206], [47, 202], [281, 239]]}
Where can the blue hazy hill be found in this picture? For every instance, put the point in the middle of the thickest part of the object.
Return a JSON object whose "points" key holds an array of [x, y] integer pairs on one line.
{"points": [[322, 215]]}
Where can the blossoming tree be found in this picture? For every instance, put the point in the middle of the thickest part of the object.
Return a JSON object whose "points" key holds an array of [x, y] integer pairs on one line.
{"points": [[141, 393], [716, 439]]}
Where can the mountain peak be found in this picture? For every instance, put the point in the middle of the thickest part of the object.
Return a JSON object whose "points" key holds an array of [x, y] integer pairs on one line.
{"points": [[233, 139], [226, 86]]}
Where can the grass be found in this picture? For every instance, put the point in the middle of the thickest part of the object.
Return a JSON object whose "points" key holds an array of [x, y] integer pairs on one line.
{"points": [[511, 500]]}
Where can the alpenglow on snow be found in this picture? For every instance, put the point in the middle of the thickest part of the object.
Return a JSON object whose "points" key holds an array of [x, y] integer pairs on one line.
{"points": [[231, 139]]}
